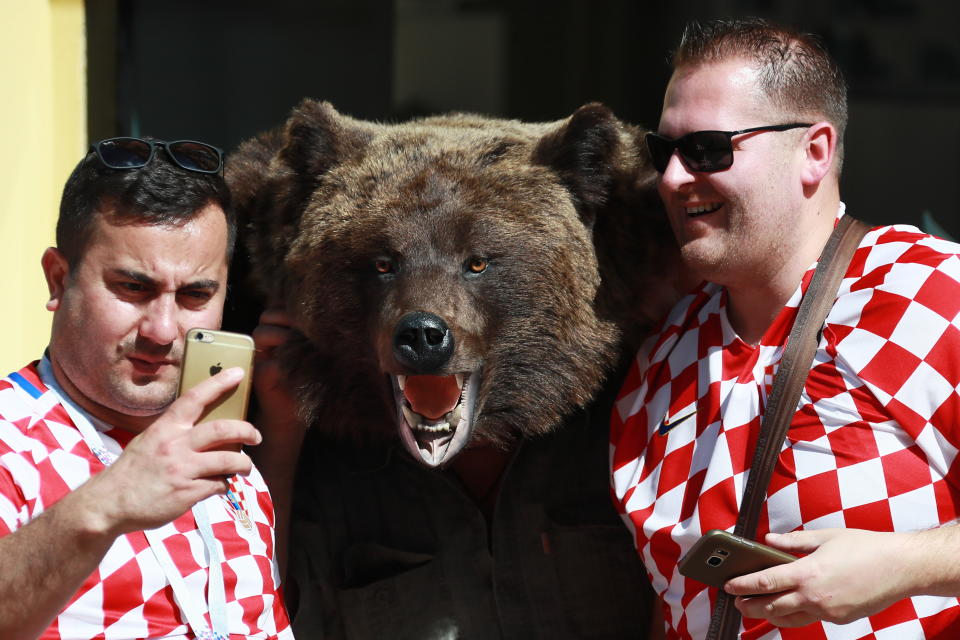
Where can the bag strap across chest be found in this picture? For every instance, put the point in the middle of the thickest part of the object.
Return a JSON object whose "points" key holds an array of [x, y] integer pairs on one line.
{"points": [[787, 386]]}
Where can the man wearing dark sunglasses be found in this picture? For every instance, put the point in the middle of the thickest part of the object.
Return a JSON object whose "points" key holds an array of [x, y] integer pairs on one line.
{"points": [[748, 152], [122, 513]]}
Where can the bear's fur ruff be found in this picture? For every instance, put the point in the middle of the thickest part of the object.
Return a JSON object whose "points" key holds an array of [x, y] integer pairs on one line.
{"points": [[542, 245]]}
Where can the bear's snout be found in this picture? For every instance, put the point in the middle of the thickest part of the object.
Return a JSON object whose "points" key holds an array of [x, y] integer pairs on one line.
{"points": [[423, 342]]}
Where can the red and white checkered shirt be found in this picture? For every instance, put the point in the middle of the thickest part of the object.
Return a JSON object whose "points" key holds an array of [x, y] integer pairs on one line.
{"points": [[43, 457], [872, 445]]}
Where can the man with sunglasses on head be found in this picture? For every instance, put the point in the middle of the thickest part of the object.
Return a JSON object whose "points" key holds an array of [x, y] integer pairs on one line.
{"points": [[122, 514], [866, 486]]}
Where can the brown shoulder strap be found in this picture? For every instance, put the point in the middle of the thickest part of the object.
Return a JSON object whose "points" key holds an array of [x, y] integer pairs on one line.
{"points": [[787, 386]]}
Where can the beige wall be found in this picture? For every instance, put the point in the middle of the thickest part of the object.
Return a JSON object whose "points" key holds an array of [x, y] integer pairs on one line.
{"points": [[43, 134]]}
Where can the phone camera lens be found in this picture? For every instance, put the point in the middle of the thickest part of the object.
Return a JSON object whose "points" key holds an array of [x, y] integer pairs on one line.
{"points": [[199, 336], [715, 561]]}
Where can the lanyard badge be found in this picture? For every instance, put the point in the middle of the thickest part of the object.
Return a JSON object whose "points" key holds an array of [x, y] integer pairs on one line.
{"points": [[234, 499]]}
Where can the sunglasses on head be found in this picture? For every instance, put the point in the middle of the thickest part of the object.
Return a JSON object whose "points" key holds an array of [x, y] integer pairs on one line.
{"points": [[133, 153], [704, 151]]}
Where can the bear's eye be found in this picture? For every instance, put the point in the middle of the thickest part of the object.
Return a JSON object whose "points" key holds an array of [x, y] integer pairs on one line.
{"points": [[383, 266], [477, 265]]}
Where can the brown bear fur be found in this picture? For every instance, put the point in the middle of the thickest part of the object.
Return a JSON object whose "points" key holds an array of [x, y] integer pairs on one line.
{"points": [[578, 257]]}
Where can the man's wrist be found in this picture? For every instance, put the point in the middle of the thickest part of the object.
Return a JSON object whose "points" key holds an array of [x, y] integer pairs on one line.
{"points": [[931, 565], [90, 514]]}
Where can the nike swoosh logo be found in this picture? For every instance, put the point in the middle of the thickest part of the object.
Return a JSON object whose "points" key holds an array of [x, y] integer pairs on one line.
{"points": [[667, 424]]}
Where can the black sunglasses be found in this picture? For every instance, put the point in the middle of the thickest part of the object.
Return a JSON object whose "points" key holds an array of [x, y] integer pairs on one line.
{"points": [[133, 153], [705, 151]]}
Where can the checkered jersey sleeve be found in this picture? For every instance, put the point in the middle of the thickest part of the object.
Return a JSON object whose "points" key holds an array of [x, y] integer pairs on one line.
{"points": [[13, 507], [895, 327]]}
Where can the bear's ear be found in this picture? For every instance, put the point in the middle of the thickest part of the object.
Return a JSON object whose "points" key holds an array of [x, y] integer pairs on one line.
{"points": [[584, 152], [247, 170], [318, 138], [273, 176]]}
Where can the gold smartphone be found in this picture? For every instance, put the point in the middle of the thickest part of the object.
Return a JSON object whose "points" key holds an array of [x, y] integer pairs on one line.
{"points": [[206, 353], [719, 556]]}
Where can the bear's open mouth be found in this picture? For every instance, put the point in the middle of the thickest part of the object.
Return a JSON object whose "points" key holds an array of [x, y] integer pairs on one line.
{"points": [[435, 413]]}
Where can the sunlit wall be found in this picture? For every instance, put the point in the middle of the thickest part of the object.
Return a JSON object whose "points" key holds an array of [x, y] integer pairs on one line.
{"points": [[43, 134]]}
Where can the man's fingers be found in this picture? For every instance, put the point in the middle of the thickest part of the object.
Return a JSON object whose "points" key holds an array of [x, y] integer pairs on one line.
{"points": [[273, 330], [190, 406], [776, 605], [213, 485], [276, 316], [772, 580], [798, 619], [782, 610], [216, 465], [756, 606], [801, 541], [267, 337], [218, 433]]}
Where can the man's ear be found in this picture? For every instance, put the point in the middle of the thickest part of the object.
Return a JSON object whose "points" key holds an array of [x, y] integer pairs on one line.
{"points": [[56, 270], [820, 146]]}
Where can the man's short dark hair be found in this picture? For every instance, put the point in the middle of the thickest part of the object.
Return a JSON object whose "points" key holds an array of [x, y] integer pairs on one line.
{"points": [[796, 72], [158, 193]]}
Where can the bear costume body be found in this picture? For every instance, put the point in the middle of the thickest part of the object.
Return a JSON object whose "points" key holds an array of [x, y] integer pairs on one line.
{"points": [[462, 287]]}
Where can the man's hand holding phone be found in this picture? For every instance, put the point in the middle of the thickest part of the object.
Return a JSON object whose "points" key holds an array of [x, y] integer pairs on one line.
{"points": [[720, 555], [849, 574], [176, 462]]}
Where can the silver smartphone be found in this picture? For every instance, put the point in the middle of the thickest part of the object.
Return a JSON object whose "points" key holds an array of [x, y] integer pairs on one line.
{"points": [[206, 353], [719, 556]]}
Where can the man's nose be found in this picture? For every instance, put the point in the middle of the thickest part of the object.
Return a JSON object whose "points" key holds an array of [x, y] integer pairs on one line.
{"points": [[677, 173], [159, 321]]}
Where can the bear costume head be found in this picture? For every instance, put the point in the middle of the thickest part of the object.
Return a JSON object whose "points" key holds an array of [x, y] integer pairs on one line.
{"points": [[455, 278]]}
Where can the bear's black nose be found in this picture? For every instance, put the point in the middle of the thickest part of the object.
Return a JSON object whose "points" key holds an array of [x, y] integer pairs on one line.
{"points": [[423, 342]]}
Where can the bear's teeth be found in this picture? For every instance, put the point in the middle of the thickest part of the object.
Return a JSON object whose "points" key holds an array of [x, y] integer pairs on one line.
{"points": [[401, 382], [413, 418], [454, 416], [439, 427], [418, 423], [459, 377]]}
